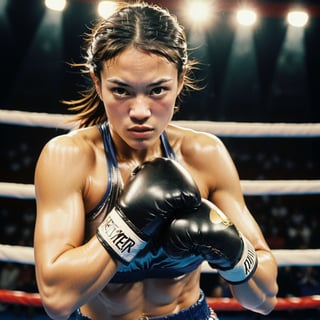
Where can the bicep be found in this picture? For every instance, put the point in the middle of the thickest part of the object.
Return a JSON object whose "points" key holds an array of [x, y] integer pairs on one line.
{"points": [[219, 181], [60, 209], [228, 196]]}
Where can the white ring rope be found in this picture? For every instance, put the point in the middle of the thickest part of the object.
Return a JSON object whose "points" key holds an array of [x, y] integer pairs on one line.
{"points": [[307, 257], [18, 254], [17, 190], [35, 119], [249, 187], [280, 187], [254, 129], [240, 129]]}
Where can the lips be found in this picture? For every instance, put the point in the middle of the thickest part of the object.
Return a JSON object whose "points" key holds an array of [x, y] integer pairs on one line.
{"points": [[140, 131]]}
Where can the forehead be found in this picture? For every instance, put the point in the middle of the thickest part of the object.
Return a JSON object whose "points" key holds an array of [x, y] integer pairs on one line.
{"points": [[135, 63]]}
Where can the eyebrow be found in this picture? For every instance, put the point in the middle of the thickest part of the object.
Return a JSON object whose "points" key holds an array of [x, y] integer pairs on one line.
{"points": [[152, 84]]}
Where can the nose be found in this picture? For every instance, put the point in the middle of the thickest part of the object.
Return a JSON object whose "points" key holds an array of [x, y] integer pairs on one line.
{"points": [[139, 110]]}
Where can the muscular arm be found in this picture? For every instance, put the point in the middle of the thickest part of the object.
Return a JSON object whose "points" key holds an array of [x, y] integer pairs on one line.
{"points": [[223, 189], [61, 257], [259, 292]]}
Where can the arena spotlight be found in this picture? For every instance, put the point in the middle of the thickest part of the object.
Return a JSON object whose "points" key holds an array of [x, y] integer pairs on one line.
{"points": [[198, 13], [297, 18], [56, 5], [246, 17], [106, 8]]}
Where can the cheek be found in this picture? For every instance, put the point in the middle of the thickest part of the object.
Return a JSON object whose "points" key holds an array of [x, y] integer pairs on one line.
{"points": [[163, 113], [163, 107], [113, 110], [111, 105]]}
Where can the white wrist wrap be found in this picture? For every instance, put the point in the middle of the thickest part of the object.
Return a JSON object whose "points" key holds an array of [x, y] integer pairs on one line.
{"points": [[115, 234], [245, 267]]}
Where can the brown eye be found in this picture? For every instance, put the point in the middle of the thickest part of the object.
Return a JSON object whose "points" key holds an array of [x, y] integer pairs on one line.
{"points": [[122, 92], [158, 90]]}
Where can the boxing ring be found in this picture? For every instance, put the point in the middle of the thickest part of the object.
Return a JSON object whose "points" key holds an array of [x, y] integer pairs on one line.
{"points": [[293, 257]]}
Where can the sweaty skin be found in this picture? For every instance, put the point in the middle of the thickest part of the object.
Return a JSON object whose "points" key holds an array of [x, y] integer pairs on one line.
{"points": [[139, 92]]}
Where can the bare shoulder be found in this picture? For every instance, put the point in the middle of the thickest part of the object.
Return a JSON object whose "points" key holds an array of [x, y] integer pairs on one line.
{"points": [[206, 158], [70, 154], [78, 144], [197, 146]]}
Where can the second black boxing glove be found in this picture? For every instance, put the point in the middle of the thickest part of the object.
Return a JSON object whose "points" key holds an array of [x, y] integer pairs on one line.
{"points": [[209, 233], [154, 194]]}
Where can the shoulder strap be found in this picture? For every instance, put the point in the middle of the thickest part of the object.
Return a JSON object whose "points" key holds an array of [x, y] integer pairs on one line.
{"points": [[114, 184], [167, 149]]}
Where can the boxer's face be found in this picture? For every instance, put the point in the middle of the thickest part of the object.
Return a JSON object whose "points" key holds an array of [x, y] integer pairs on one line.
{"points": [[139, 91]]}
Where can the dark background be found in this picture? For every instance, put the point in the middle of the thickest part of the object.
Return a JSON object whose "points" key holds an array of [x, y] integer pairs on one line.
{"points": [[268, 73]]}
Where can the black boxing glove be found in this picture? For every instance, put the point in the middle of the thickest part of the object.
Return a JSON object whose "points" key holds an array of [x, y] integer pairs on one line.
{"points": [[209, 233], [154, 194]]}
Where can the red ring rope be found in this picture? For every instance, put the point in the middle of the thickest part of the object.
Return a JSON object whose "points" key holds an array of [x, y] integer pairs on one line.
{"points": [[231, 304], [218, 304], [20, 297]]}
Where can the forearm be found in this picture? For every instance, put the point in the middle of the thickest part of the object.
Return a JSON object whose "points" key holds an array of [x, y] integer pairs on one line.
{"points": [[259, 292], [59, 285]]}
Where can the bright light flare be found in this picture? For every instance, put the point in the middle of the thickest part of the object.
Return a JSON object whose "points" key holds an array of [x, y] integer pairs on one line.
{"points": [[56, 5], [198, 12], [246, 17], [106, 8], [297, 18]]}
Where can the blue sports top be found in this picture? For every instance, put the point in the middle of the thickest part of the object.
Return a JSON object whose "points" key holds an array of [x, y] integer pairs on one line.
{"points": [[152, 261]]}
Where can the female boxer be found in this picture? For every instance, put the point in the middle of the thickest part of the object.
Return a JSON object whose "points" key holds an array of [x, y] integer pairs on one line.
{"points": [[129, 205]]}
